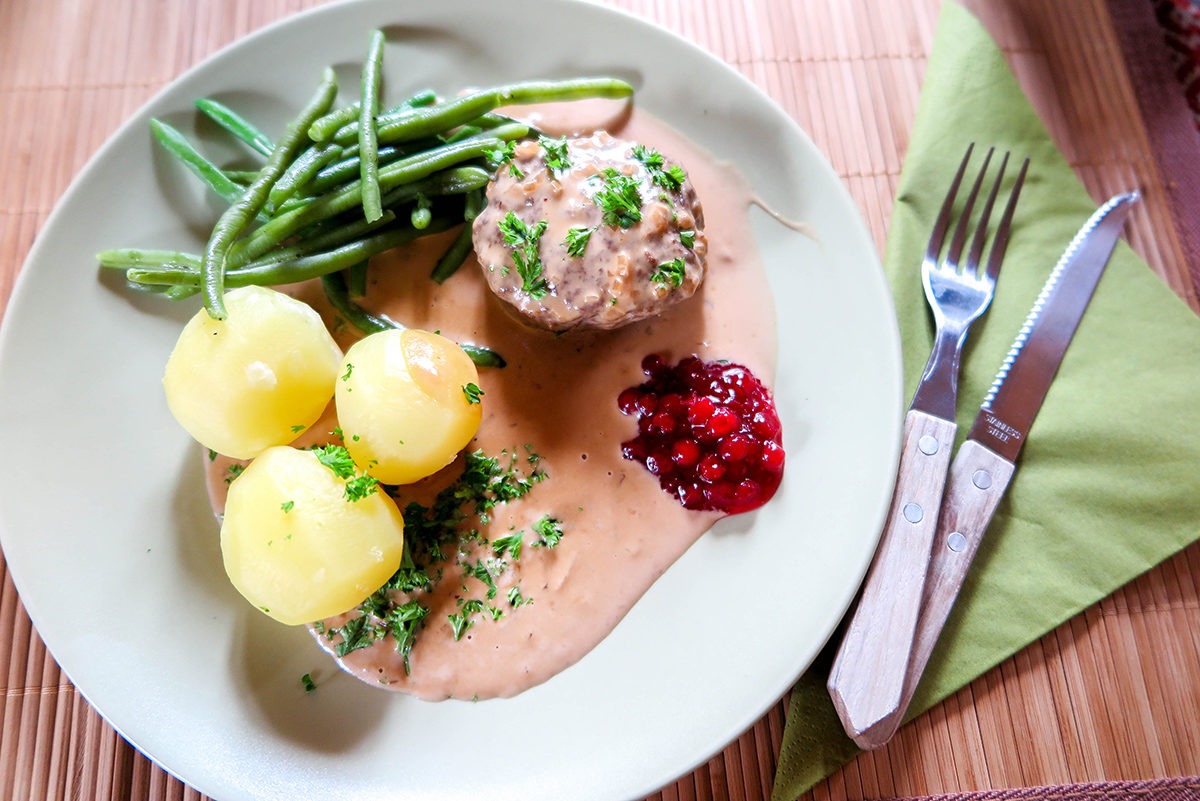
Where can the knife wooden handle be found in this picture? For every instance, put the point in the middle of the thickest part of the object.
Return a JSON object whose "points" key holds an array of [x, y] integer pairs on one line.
{"points": [[867, 679], [978, 480]]}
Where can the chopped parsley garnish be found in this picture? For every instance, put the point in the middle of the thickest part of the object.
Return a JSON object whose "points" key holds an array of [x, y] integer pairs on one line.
{"points": [[668, 176], [360, 487], [619, 199], [550, 531], [688, 239], [669, 274], [440, 533], [379, 617], [463, 619], [402, 623], [349, 370], [472, 392], [287, 506], [482, 571], [577, 240], [504, 155], [233, 471], [557, 158], [307, 681], [337, 459], [524, 239], [510, 544]]}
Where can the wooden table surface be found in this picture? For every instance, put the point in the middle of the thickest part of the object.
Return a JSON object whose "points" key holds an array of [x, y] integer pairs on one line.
{"points": [[1105, 697]]}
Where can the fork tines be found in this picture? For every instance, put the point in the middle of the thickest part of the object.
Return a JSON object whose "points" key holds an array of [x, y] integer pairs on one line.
{"points": [[1000, 240]]}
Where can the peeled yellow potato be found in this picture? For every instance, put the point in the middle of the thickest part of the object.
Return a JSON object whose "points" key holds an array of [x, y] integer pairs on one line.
{"points": [[406, 403], [254, 379], [296, 547]]}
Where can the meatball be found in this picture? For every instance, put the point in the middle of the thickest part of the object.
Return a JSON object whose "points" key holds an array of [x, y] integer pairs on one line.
{"points": [[591, 232]]}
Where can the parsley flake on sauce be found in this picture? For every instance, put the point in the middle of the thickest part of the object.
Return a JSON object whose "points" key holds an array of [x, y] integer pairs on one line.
{"points": [[472, 392], [557, 158], [687, 239], [464, 618], [502, 156], [619, 199], [525, 240], [668, 176], [510, 544], [669, 274], [550, 531], [577, 240]]}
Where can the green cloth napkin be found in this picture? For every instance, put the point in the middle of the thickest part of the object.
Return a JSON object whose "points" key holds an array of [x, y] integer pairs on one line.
{"points": [[1107, 485]]}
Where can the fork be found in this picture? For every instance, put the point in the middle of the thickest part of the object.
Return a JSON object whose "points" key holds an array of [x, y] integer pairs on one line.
{"points": [[867, 680]]}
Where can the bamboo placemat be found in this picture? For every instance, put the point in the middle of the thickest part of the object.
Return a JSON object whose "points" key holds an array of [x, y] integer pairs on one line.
{"points": [[1114, 694]]}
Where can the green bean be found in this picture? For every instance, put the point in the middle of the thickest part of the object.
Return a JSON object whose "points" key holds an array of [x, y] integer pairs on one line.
{"points": [[241, 128], [342, 172], [124, 258], [483, 356], [272, 271], [368, 146], [178, 146], [454, 256], [181, 292], [291, 221], [230, 224], [345, 170], [421, 215], [331, 124], [406, 170], [464, 132], [356, 278], [243, 177], [417, 123], [163, 275], [325, 212], [300, 172], [336, 291], [326, 239]]}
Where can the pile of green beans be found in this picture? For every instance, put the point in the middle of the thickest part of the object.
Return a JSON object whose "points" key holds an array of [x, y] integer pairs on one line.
{"points": [[342, 184]]}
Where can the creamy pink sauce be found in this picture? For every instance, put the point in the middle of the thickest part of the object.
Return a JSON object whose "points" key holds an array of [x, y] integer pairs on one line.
{"points": [[558, 395]]}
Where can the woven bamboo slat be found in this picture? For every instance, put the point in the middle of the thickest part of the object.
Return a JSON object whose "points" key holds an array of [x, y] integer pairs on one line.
{"points": [[1113, 694]]}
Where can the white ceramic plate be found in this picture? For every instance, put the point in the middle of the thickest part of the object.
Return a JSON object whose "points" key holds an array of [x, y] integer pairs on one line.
{"points": [[108, 536]]}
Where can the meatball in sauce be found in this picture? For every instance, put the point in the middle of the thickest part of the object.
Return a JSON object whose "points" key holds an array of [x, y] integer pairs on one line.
{"points": [[590, 232]]}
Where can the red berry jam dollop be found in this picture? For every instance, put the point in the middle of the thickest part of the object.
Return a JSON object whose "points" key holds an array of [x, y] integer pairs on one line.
{"points": [[709, 431]]}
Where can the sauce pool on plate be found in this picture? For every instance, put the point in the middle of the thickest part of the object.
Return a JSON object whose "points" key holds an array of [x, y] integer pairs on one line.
{"points": [[595, 529]]}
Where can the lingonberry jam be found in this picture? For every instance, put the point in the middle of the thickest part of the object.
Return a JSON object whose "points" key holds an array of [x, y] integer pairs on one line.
{"points": [[708, 430]]}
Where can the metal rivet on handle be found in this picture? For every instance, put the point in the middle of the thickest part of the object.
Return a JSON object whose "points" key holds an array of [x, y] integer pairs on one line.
{"points": [[913, 512], [982, 479], [957, 541], [928, 445]]}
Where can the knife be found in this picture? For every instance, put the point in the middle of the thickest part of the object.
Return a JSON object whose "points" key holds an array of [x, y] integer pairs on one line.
{"points": [[984, 465]]}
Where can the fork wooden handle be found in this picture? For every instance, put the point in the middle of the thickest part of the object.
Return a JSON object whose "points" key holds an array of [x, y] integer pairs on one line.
{"points": [[867, 680]]}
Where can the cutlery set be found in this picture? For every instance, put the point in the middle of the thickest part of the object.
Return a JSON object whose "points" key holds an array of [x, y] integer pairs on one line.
{"points": [[941, 509]]}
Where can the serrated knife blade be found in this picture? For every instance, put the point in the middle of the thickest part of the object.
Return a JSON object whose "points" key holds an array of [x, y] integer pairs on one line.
{"points": [[1016, 395], [984, 465]]}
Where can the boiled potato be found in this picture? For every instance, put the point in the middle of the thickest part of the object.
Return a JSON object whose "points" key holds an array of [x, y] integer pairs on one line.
{"points": [[296, 547], [254, 379], [406, 402]]}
